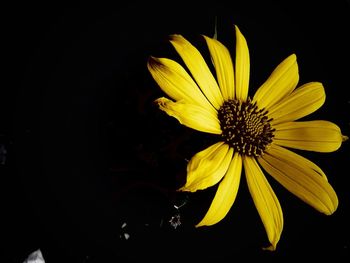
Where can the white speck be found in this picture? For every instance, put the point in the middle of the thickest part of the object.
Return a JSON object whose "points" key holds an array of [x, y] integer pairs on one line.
{"points": [[175, 221], [35, 257]]}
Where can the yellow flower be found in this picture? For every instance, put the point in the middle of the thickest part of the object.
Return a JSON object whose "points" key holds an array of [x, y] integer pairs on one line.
{"points": [[255, 132]]}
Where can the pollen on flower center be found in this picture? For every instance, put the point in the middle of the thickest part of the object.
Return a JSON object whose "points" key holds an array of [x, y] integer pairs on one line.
{"points": [[245, 127]]}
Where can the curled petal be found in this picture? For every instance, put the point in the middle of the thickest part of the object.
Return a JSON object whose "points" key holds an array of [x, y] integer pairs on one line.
{"points": [[207, 167], [191, 115]]}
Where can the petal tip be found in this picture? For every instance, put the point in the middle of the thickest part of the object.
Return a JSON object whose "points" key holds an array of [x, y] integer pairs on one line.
{"points": [[199, 225], [332, 210], [153, 62], [175, 38], [160, 101], [293, 56], [181, 189], [206, 37], [186, 189], [270, 248], [292, 60]]}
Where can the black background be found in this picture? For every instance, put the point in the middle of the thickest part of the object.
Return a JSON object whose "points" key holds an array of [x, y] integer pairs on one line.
{"points": [[88, 151]]}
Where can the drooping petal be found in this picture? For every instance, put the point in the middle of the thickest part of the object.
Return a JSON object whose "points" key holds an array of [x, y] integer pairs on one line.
{"points": [[302, 161], [303, 101], [223, 66], [318, 135], [281, 83], [265, 201], [225, 194], [302, 180], [207, 167], [242, 63], [174, 80], [199, 69], [191, 115]]}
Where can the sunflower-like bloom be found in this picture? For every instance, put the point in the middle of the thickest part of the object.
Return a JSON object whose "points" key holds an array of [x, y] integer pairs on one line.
{"points": [[255, 132]]}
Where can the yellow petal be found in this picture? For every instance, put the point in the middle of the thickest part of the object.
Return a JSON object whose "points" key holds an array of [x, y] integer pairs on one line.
{"points": [[302, 161], [302, 180], [242, 63], [303, 101], [281, 83], [174, 80], [223, 66], [265, 201], [319, 136], [199, 69], [207, 167], [191, 115], [225, 194]]}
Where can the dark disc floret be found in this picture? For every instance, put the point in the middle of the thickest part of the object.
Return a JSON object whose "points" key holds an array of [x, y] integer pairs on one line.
{"points": [[245, 127]]}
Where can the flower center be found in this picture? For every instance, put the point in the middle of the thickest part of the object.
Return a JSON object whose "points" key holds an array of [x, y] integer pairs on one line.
{"points": [[245, 127]]}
